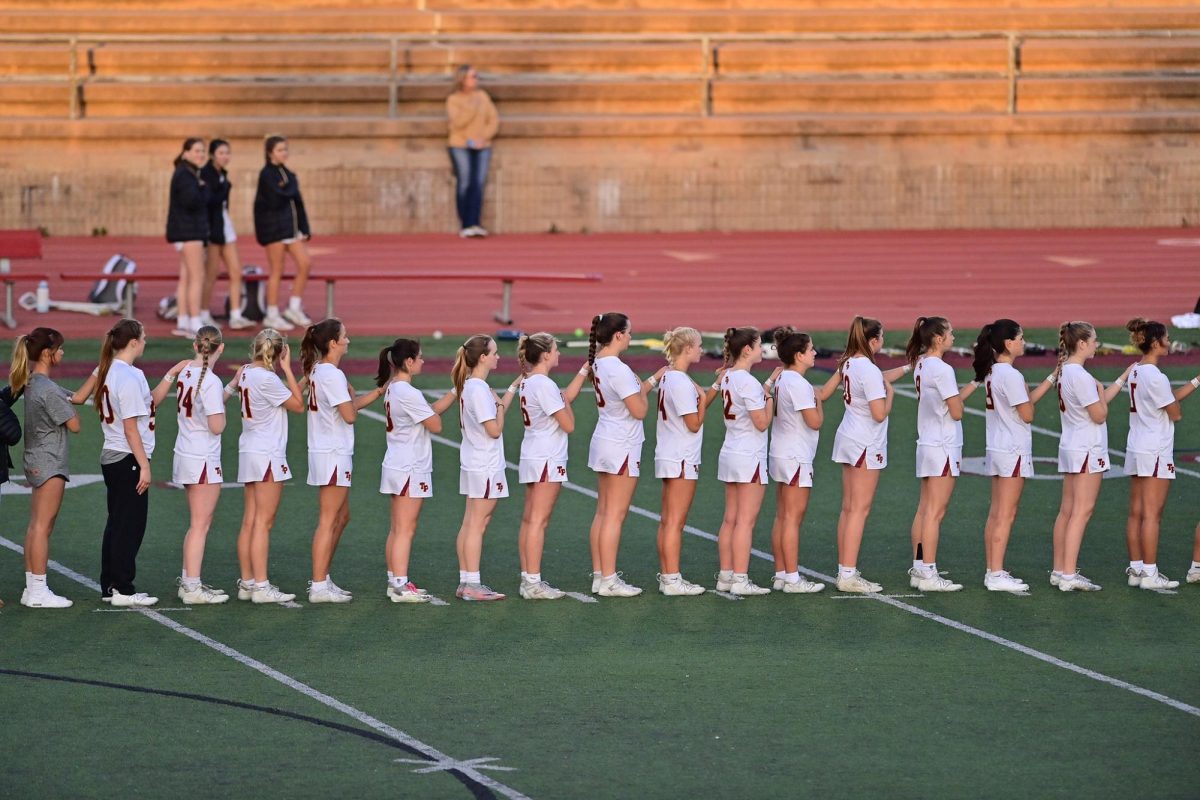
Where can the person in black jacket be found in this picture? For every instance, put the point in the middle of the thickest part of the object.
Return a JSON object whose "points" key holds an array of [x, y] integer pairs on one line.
{"points": [[10, 434], [187, 229], [281, 226], [222, 239]]}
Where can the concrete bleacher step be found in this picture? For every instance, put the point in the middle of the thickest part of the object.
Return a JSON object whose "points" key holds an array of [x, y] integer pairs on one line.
{"points": [[764, 58], [235, 59], [971, 95], [18, 59], [1109, 94], [1059, 55], [34, 100], [651, 58]]}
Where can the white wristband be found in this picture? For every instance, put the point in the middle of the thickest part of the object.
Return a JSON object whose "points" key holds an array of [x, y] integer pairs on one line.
{"points": [[768, 385], [716, 386], [584, 370], [1195, 382], [1050, 379], [1119, 382], [169, 378], [907, 369], [653, 381]]}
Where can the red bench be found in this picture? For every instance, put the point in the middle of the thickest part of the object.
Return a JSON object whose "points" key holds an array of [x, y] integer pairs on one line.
{"points": [[507, 279], [17, 244]]}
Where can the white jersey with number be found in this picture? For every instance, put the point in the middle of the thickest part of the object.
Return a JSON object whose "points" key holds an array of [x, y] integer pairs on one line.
{"points": [[862, 382], [677, 397], [126, 394], [613, 381], [264, 419], [479, 451], [741, 393], [194, 404], [1076, 391], [544, 438], [1150, 429], [409, 446], [936, 383], [327, 431], [791, 438], [1004, 390]]}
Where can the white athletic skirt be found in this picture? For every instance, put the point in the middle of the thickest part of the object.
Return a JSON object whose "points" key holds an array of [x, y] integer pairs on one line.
{"points": [[1083, 462], [406, 483], [938, 462], [1150, 465], [188, 471], [676, 468], [856, 455], [791, 472], [741, 468], [614, 458], [1010, 465], [541, 470], [483, 485], [330, 469], [255, 467]]}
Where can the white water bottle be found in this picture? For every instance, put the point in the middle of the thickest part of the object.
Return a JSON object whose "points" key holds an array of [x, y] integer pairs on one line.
{"points": [[43, 298]]}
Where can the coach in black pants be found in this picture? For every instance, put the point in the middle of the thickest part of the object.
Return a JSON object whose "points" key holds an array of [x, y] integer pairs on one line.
{"points": [[127, 512]]}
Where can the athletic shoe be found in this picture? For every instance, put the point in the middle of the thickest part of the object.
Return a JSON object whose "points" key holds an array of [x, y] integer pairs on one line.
{"points": [[1055, 578], [744, 587], [297, 316], [857, 584], [238, 322], [915, 576], [206, 318], [244, 590], [1077, 584], [678, 587], [477, 592], [326, 595], [1003, 582], [1135, 576], [540, 591], [478, 232], [615, 587], [465, 233], [1193, 575], [270, 593], [723, 585], [135, 600], [44, 598], [277, 322], [1158, 581], [802, 586], [408, 593], [595, 582], [200, 595], [333, 587], [183, 333], [936, 583]]}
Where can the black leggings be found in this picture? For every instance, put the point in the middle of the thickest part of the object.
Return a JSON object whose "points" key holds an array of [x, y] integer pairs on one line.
{"points": [[125, 528]]}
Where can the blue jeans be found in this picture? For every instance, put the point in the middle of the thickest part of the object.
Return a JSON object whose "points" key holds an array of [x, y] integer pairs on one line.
{"points": [[470, 174]]}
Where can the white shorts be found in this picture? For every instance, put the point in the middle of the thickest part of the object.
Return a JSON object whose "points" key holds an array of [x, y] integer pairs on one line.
{"points": [[330, 469], [938, 462], [255, 467], [483, 485], [614, 458], [791, 472], [1083, 462], [291, 240], [230, 233], [1009, 465], [676, 468], [541, 470], [406, 483], [741, 468], [179, 245], [856, 455], [189, 471], [1150, 465]]}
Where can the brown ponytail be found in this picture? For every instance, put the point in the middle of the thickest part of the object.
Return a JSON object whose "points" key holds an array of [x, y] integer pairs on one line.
{"points": [[315, 344], [1070, 336], [208, 340], [1144, 333], [393, 357], [117, 339], [532, 348], [791, 344], [28, 350], [604, 328], [858, 343], [467, 358], [990, 344], [922, 336], [737, 340]]}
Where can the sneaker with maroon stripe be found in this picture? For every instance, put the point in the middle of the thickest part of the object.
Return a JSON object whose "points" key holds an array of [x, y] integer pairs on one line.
{"points": [[477, 593]]}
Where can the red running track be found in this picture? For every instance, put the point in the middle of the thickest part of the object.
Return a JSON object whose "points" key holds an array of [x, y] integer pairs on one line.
{"points": [[813, 280]]}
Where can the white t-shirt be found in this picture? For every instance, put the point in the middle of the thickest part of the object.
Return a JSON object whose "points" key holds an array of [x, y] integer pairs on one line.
{"points": [[791, 438], [126, 394], [936, 383], [264, 419], [1004, 390], [862, 382], [479, 452], [1076, 391], [741, 394], [613, 381], [327, 431], [194, 404], [677, 397], [409, 446], [1150, 429], [544, 438]]}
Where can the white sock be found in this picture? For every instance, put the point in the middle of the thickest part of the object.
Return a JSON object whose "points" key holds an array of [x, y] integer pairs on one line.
{"points": [[846, 572], [253, 585], [532, 577], [671, 577], [1057, 572], [995, 573], [183, 322], [472, 577], [930, 568], [918, 564], [740, 577], [1195, 566], [1069, 576], [295, 304], [189, 583], [462, 576], [1150, 570], [1136, 566], [34, 581], [319, 586], [791, 577], [400, 580], [780, 574], [725, 575], [390, 575], [272, 311], [608, 578]]}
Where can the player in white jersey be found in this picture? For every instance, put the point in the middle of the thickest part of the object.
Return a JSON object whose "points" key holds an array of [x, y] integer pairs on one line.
{"points": [[679, 425], [615, 452], [860, 444], [264, 401], [1149, 461], [200, 408], [481, 475], [547, 418], [939, 444], [126, 406], [1008, 416], [407, 474], [795, 431], [332, 409]]}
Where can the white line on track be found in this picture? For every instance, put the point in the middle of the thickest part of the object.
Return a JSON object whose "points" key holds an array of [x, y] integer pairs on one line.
{"points": [[470, 768], [894, 603]]}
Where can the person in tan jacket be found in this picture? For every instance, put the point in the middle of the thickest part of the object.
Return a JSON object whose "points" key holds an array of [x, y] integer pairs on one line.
{"points": [[473, 124]]}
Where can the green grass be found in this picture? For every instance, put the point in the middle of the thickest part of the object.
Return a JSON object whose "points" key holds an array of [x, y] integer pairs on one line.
{"points": [[649, 697]]}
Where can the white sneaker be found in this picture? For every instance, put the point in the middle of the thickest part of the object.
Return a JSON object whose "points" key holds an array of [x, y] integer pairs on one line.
{"points": [[1188, 320], [244, 590], [540, 591], [678, 587], [135, 600], [270, 593], [408, 593], [802, 586], [1003, 582], [333, 587], [615, 587], [44, 598], [1135, 576], [297, 316], [326, 595], [466, 233], [724, 585], [1158, 581], [936, 583], [478, 231], [857, 584], [1077, 584], [744, 587], [595, 582], [277, 322], [206, 318], [914, 576], [238, 322], [1193, 575], [1055, 578], [183, 333], [200, 595]]}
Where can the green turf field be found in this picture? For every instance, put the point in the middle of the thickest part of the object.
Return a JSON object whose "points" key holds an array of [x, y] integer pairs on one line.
{"points": [[972, 694]]}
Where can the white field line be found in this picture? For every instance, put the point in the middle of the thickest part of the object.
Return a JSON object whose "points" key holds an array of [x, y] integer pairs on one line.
{"points": [[468, 768], [920, 612], [581, 597]]}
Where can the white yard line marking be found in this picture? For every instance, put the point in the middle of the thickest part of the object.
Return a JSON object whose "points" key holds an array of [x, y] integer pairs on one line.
{"points": [[468, 768], [437, 601], [583, 598], [132, 610], [726, 595], [289, 604], [867, 596]]}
